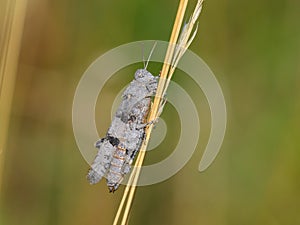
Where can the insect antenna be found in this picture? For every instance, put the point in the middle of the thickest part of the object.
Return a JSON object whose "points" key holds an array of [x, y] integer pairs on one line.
{"points": [[173, 56], [143, 54], [150, 55]]}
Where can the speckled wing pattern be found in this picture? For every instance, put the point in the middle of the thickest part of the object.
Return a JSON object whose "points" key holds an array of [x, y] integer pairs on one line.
{"points": [[116, 151]]}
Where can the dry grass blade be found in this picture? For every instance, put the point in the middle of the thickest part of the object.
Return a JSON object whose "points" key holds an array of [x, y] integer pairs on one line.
{"points": [[173, 55], [9, 52], [184, 42]]}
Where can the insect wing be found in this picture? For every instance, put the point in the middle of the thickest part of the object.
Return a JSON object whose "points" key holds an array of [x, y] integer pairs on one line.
{"points": [[102, 161]]}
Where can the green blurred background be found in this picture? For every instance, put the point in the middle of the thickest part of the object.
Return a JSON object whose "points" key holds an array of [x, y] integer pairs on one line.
{"points": [[253, 47]]}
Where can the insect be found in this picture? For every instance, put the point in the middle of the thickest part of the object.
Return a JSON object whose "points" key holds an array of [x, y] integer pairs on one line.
{"points": [[116, 151]]}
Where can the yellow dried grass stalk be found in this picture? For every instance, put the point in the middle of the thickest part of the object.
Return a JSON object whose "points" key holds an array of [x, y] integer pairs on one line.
{"points": [[11, 33], [175, 51]]}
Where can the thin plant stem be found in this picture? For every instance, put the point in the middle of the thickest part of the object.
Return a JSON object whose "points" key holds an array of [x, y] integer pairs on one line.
{"points": [[134, 175], [9, 53], [174, 53]]}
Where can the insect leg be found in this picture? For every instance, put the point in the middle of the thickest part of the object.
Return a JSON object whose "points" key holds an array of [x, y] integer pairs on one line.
{"points": [[161, 107], [99, 142]]}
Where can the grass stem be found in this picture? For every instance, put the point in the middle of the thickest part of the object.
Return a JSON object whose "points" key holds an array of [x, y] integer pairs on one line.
{"points": [[11, 33], [174, 53]]}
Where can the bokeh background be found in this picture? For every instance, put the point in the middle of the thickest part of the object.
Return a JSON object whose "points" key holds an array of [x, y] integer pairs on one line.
{"points": [[253, 47]]}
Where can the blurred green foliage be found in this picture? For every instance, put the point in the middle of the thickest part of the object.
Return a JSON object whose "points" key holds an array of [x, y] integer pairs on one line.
{"points": [[254, 49]]}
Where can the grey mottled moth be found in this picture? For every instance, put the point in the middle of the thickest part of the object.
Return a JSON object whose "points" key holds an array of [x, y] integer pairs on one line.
{"points": [[116, 151]]}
